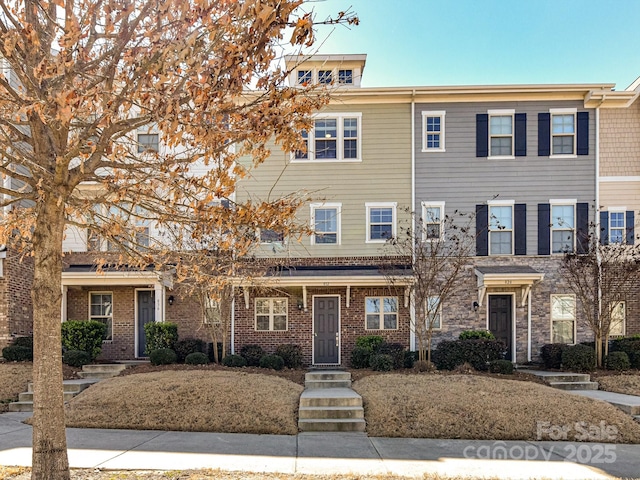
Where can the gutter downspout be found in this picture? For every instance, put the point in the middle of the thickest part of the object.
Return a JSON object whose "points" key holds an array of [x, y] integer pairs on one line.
{"points": [[529, 326], [233, 318], [412, 312]]}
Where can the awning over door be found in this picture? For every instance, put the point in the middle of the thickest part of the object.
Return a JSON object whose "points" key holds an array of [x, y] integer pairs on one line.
{"points": [[507, 276]]}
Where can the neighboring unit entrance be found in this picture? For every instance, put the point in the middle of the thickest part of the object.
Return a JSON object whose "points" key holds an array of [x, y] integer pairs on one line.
{"points": [[326, 341], [501, 321], [146, 314]]}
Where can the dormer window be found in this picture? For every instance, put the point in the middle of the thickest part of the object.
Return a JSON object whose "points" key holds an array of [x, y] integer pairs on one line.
{"points": [[345, 77], [324, 77], [305, 77]]}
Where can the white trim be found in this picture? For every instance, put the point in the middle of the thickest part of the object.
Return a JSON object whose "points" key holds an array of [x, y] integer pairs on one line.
{"points": [[313, 324], [562, 203], [426, 205], [89, 316], [616, 209], [624, 319], [311, 139], [368, 207], [624, 223], [615, 179], [435, 113], [329, 205], [271, 314], [512, 230], [498, 203], [381, 313], [575, 316], [136, 332], [503, 113], [563, 111]]}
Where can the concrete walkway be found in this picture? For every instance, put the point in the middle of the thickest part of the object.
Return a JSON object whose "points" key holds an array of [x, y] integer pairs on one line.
{"points": [[327, 453]]}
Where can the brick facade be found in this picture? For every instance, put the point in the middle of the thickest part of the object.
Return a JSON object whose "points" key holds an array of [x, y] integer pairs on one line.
{"points": [[16, 307]]}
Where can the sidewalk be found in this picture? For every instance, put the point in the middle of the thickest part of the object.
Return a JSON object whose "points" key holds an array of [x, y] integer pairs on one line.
{"points": [[324, 453]]}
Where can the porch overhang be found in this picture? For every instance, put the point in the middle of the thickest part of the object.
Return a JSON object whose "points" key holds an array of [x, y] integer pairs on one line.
{"points": [[88, 275], [500, 276]]}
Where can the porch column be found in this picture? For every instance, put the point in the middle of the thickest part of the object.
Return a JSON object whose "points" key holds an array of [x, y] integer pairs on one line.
{"points": [[160, 300], [63, 303]]}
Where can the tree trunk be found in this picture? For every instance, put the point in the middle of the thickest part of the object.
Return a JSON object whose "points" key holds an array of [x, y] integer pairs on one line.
{"points": [[49, 459], [598, 349]]}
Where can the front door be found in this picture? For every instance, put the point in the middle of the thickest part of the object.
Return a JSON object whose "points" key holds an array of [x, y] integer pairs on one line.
{"points": [[146, 314], [500, 320], [326, 338]]}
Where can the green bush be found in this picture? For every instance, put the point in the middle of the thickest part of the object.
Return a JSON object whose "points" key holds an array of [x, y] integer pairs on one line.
{"points": [[16, 353], [395, 350], [578, 358], [162, 356], [617, 361], [160, 335], [84, 335], [291, 354], [234, 361], [274, 362], [370, 342], [476, 335], [629, 345], [551, 355], [196, 358], [24, 342], [381, 362], [410, 358], [450, 354], [252, 354], [360, 357], [501, 366], [188, 345], [76, 358], [212, 357]]}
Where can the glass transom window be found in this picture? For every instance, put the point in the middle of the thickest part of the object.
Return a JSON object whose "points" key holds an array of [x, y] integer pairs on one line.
{"points": [[500, 230], [381, 313], [501, 135], [271, 314]]}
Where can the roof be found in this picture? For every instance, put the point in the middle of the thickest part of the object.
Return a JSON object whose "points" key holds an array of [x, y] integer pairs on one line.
{"points": [[340, 271], [506, 270]]}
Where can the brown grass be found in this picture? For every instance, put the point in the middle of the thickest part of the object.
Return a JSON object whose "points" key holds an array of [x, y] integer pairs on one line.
{"points": [[195, 401], [625, 383], [14, 378], [476, 407]]}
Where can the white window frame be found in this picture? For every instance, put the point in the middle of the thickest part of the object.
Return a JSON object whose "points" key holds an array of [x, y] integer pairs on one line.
{"points": [[99, 317], [323, 206], [271, 314], [503, 113], [433, 114], [311, 139], [381, 313], [622, 331], [425, 206], [563, 111], [368, 206], [562, 203], [331, 76], [139, 145], [337, 77], [304, 71], [623, 211], [438, 311], [502, 203], [574, 320]]}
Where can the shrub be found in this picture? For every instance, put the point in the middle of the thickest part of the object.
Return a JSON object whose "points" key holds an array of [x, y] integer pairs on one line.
{"points": [[162, 356], [370, 342], [578, 358], [252, 354], [76, 358], [16, 353], [476, 335], [501, 366], [196, 358], [478, 353], [274, 362], [84, 335], [212, 358], [395, 350], [188, 345], [629, 345], [234, 361], [160, 335], [617, 361], [291, 354], [24, 342], [381, 362], [424, 366], [360, 357], [410, 358], [551, 355]]}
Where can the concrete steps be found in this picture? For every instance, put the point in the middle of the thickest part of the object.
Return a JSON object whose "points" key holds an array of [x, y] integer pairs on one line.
{"points": [[574, 385], [328, 404], [566, 381], [102, 370]]}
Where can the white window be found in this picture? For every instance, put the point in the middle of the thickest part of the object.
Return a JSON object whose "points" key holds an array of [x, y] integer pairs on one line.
{"points": [[501, 133], [212, 313], [325, 222], [618, 319], [433, 131], [381, 222], [334, 137], [271, 314], [500, 229], [345, 76], [432, 217], [381, 313], [142, 224], [434, 313], [148, 142], [325, 77], [305, 77], [617, 227], [268, 235], [563, 131], [563, 318], [101, 310], [563, 228]]}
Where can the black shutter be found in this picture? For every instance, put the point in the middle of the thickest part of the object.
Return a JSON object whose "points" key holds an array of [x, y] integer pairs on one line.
{"points": [[583, 133], [482, 230], [582, 227], [604, 228], [482, 135], [630, 227], [544, 134], [544, 229], [520, 228], [521, 135]]}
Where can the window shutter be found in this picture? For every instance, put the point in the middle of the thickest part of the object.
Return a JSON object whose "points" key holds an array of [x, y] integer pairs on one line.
{"points": [[521, 135], [520, 227], [582, 227], [583, 133], [630, 227], [544, 229], [604, 228], [482, 230], [482, 135], [544, 134]]}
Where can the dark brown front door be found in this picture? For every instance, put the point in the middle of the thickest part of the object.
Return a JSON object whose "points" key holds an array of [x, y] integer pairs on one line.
{"points": [[501, 321], [325, 329], [146, 314]]}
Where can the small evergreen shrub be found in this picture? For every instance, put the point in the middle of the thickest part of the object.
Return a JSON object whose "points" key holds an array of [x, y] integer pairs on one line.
{"points": [[617, 361], [291, 354], [76, 358], [423, 366], [370, 342], [504, 367], [84, 335], [196, 358], [381, 362], [395, 350], [188, 345], [274, 362], [551, 355], [476, 335], [450, 354], [252, 354], [578, 358], [162, 356], [24, 342], [360, 357], [629, 345], [234, 361], [410, 358], [212, 357], [17, 353], [160, 335]]}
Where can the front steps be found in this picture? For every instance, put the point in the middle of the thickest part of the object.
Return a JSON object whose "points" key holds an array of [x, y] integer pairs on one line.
{"points": [[566, 381], [102, 370], [328, 404]]}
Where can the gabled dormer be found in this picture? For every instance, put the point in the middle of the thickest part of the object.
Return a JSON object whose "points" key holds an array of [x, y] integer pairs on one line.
{"points": [[331, 70]]}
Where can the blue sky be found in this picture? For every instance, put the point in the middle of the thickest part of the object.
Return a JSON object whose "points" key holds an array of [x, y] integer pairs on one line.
{"points": [[480, 42]]}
